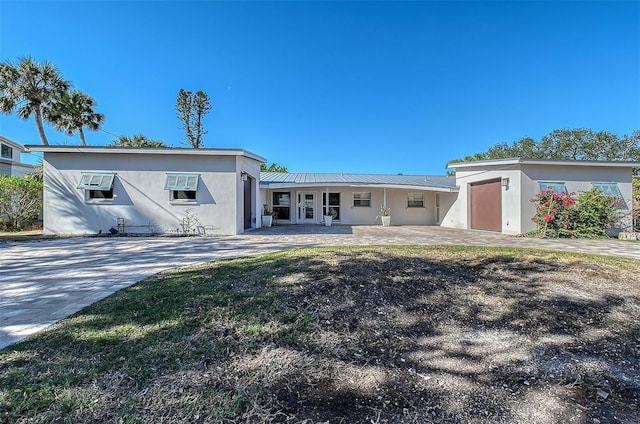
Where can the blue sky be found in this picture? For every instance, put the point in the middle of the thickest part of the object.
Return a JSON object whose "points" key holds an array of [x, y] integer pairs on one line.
{"points": [[362, 87]]}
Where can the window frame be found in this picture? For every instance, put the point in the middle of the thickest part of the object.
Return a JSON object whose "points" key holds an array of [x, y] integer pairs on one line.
{"points": [[418, 203], [278, 208], [6, 148], [362, 201], [332, 205]]}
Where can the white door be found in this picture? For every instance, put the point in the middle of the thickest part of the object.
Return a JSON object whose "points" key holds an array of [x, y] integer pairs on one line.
{"points": [[306, 207]]}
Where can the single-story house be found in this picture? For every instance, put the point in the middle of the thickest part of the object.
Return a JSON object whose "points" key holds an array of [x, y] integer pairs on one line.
{"points": [[91, 189], [10, 163]]}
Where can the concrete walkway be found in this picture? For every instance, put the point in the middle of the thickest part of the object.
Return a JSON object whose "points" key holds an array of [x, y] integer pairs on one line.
{"points": [[42, 282]]}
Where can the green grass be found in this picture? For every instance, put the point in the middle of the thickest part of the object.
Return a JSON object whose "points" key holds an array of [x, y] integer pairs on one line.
{"points": [[182, 345]]}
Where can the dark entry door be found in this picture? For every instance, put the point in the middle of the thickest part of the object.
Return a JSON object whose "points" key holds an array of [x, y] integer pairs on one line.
{"points": [[247, 203], [485, 203]]}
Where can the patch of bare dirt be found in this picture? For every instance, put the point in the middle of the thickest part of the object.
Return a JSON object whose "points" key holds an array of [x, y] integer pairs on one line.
{"points": [[447, 339]]}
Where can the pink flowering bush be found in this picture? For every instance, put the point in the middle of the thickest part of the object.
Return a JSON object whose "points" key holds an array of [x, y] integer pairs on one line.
{"points": [[563, 215]]}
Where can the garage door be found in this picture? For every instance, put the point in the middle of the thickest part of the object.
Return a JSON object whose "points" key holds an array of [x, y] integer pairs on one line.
{"points": [[486, 205]]}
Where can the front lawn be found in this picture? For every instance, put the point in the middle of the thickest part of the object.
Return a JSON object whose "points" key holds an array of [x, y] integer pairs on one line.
{"points": [[346, 335]]}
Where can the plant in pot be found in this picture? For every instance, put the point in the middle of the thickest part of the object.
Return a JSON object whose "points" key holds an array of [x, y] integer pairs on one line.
{"points": [[267, 216], [385, 216], [329, 216]]}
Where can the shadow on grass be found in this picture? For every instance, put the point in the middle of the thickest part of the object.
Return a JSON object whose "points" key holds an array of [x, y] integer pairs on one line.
{"points": [[351, 334]]}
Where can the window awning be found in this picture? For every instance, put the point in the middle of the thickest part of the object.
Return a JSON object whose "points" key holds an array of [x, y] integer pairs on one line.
{"points": [[608, 189], [95, 181], [186, 182]]}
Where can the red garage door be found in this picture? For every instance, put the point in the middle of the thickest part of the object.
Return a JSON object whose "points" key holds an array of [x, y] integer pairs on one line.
{"points": [[486, 205]]}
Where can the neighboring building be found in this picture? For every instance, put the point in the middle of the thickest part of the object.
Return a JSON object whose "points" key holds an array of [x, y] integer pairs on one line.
{"points": [[221, 191], [88, 190], [495, 194], [10, 158]]}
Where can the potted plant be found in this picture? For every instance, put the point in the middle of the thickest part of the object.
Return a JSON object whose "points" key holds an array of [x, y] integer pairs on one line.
{"points": [[267, 216], [385, 216], [329, 216]]}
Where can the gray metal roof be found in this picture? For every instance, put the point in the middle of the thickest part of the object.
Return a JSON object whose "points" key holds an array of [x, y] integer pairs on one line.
{"points": [[337, 179]]}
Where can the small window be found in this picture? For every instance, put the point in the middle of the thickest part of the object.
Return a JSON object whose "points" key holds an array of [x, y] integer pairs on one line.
{"points": [[362, 199], [556, 187], [6, 152], [415, 200], [183, 195], [97, 186], [438, 208], [182, 187], [282, 204], [608, 189], [100, 194]]}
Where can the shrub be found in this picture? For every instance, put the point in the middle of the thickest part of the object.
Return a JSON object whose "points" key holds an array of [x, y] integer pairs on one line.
{"points": [[20, 201], [564, 215]]}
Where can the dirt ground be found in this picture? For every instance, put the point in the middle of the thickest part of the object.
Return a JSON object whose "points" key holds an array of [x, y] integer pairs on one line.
{"points": [[346, 335], [457, 340]]}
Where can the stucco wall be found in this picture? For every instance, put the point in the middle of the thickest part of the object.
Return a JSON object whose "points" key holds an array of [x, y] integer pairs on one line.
{"points": [[577, 179], [396, 200], [139, 195], [458, 214], [252, 170], [524, 179]]}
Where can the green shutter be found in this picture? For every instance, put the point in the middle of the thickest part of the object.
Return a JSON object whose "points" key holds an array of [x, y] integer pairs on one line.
{"points": [[96, 181], [182, 182]]}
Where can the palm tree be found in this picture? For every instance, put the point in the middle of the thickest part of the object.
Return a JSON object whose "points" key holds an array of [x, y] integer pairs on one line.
{"points": [[74, 111], [30, 88], [138, 140]]}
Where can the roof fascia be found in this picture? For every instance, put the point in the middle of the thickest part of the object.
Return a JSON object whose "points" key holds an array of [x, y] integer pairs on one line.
{"points": [[148, 150], [551, 162], [301, 186]]}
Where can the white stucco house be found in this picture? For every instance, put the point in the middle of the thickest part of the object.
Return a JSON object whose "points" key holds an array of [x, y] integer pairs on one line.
{"points": [[89, 190], [10, 160]]}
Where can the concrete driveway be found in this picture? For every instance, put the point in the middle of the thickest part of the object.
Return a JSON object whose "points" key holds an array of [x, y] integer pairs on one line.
{"points": [[42, 282]]}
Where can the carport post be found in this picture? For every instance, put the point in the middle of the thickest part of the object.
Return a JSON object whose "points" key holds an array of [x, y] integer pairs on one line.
{"points": [[384, 197]]}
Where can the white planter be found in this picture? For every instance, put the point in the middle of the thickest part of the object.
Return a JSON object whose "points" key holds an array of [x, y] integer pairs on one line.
{"points": [[327, 221], [267, 220], [386, 221]]}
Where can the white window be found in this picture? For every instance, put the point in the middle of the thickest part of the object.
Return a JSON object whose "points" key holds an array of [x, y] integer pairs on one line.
{"points": [[438, 208], [608, 189], [362, 199], [415, 200], [6, 152], [556, 187], [334, 204], [182, 187], [97, 186]]}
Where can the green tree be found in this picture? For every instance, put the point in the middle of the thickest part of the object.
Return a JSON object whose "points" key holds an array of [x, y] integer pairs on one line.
{"points": [[274, 167], [138, 140], [575, 144], [74, 111], [20, 200], [30, 89], [191, 108]]}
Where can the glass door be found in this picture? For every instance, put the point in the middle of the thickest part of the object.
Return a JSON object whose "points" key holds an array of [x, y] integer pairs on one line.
{"points": [[307, 209]]}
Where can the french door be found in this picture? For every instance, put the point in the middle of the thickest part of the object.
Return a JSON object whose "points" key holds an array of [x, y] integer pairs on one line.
{"points": [[306, 207]]}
